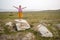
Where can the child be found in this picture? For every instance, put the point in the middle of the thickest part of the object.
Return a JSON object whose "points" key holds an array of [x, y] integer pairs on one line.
{"points": [[20, 15]]}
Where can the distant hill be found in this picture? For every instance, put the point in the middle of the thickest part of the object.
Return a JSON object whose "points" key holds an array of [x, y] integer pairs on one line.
{"points": [[51, 10], [14, 10]]}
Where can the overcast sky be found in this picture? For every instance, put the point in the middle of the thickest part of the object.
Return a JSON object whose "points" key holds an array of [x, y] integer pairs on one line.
{"points": [[30, 4]]}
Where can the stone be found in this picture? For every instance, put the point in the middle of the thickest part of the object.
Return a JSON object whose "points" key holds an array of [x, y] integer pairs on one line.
{"points": [[21, 24], [1, 29], [10, 26], [17, 36], [9, 23], [44, 31], [29, 36]]}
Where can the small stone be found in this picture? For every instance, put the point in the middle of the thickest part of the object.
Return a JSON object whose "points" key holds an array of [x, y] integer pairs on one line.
{"points": [[29, 36], [1, 30], [9, 23], [58, 26]]}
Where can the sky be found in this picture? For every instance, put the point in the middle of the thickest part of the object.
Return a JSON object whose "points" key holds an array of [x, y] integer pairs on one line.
{"points": [[30, 4]]}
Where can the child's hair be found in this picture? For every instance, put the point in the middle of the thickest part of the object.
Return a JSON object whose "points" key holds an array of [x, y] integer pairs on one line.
{"points": [[19, 5]]}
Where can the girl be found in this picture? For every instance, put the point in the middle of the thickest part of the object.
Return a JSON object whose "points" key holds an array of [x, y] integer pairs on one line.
{"points": [[20, 15]]}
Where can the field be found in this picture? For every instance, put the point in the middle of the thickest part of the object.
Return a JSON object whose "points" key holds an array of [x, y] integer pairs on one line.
{"points": [[34, 18]]}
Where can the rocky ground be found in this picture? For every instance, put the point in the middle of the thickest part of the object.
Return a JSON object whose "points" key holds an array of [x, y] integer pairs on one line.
{"points": [[10, 32], [51, 20]]}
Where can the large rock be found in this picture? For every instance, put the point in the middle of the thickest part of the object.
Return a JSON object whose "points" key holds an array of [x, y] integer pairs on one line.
{"points": [[44, 31], [21, 24]]}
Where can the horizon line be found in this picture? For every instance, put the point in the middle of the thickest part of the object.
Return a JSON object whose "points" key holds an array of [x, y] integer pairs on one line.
{"points": [[10, 10]]}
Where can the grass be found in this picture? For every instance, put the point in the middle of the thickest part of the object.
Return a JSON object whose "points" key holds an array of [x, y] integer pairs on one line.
{"points": [[34, 18]]}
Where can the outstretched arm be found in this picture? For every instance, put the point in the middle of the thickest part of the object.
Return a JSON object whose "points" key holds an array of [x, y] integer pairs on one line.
{"points": [[15, 7], [23, 7]]}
